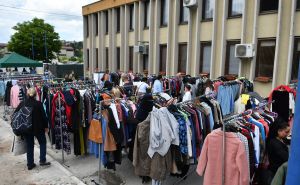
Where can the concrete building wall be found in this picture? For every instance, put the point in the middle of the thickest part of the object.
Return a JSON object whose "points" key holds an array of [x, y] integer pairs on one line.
{"points": [[281, 25]]}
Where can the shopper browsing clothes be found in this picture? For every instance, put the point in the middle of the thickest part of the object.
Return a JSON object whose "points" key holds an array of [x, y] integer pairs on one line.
{"points": [[187, 93], [39, 128], [157, 86], [277, 148]]}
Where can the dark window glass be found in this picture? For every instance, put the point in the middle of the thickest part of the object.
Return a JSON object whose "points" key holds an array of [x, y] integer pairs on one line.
{"points": [[205, 57], [182, 57], [118, 59], [145, 62], [268, 5], [130, 58], [236, 7], [296, 59], [96, 24], [131, 17], [184, 13], [208, 9], [107, 58], [298, 4], [87, 26], [163, 58], [87, 58], [97, 58], [147, 14], [164, 12], [106, 22], [265, 58], [118, 19], [231, 63]]}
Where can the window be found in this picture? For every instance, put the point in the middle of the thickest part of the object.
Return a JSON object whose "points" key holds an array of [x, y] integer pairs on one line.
{"points": [[231, 63], [164, 12], [106, 22], [296, 59], [118, 59], [235, 8], [163, 58], [87, 26], [96, 23], [298, 5], [184, 13], [118, 20], [131, 17], [268, 5], [130, 58], [147, 14], [208, 9], [145, 62], [182, 58], [107, 59], [97, 59], [205, 57], [87, 58], [265, 58]]}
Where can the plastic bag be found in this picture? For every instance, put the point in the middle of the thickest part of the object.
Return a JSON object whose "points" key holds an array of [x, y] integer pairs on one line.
{"points": [[19, 146]]}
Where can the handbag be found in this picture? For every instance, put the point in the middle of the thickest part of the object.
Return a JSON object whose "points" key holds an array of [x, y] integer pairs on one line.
{"points": [[21, 121], [19, 146]]}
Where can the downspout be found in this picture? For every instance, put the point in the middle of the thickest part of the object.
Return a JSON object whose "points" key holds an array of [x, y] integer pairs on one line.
{"points": [[278, 38]]}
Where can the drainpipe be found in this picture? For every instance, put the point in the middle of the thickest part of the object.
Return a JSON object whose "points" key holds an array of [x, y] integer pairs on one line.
{"points": [[243, 37]]}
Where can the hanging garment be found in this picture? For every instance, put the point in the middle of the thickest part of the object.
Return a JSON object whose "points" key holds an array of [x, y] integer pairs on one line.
{"points": [[14, 96], [95, 131], [210, 161]]}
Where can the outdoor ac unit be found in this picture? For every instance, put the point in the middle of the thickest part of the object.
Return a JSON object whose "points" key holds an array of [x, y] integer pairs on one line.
{"points": [[146, 50], [138, 49], [244, 50], [189, 3]]}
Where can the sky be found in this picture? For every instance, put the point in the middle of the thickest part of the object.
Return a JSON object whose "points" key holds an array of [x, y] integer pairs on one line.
{"points": [[64, 15]]}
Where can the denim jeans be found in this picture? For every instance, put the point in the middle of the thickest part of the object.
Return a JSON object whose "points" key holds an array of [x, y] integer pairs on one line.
{"points": [[30, 148]]}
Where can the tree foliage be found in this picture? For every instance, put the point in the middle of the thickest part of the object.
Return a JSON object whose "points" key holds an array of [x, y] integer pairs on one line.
{"points": [[35, 30]]}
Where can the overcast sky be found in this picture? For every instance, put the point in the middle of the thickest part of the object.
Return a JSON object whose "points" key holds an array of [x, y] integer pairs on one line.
{"points": [[64, 15]]}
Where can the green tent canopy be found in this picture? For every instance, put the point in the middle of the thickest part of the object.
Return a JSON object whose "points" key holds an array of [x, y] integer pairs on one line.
{"points": [[16, 60]]}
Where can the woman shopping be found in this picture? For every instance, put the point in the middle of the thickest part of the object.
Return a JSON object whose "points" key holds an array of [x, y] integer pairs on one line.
{"points": [[39, 128]]}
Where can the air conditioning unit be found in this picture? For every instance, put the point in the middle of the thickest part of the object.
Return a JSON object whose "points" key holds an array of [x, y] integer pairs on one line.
{"points": [[190, 3], [244, 50], [138, 49], [146, 50]]}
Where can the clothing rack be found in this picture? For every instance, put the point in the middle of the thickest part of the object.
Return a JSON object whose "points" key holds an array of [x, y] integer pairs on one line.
{"points": [[226, 120]]}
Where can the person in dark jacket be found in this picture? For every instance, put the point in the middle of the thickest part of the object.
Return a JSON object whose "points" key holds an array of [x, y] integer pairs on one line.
{"points": [[277, 148], [39, 128]]}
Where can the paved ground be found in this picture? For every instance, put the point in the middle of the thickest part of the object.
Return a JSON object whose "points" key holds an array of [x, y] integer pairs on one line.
{"points": [[13, 168]]}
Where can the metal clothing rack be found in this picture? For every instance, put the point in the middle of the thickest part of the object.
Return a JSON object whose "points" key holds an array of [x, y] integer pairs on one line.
{"points": [[226, 120]]}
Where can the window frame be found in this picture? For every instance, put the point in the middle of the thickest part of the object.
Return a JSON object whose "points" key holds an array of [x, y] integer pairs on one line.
{"points": [[96, 23], [204, 19], [162, 12], [97, 58], [179, 56], [264, 12], [131, 17], [145, 64], [106, 22], [88, 58], [229, 43], [201, 58], [259, 54], [87, 26], [107, 58], [298, 5], [161, 63], [131, 58], [146, 5], [118, 26], [296, 42], [230, 16], [181, 14], [118, 51]]}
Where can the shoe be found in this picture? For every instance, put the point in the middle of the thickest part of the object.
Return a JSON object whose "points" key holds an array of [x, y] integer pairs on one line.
{"points": [[31, 167], [45, 164]]}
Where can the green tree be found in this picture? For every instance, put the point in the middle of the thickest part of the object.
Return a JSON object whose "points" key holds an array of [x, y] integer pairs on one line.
{"points": [[35, 30]]}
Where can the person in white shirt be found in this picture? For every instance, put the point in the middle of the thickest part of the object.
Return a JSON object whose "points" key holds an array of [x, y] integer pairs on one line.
{"points": [[142, 87], [187, 93], [157, 86]]}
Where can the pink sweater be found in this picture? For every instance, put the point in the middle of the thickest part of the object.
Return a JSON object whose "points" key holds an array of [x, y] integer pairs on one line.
{"points": [[210, 160], [14, 96]]}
